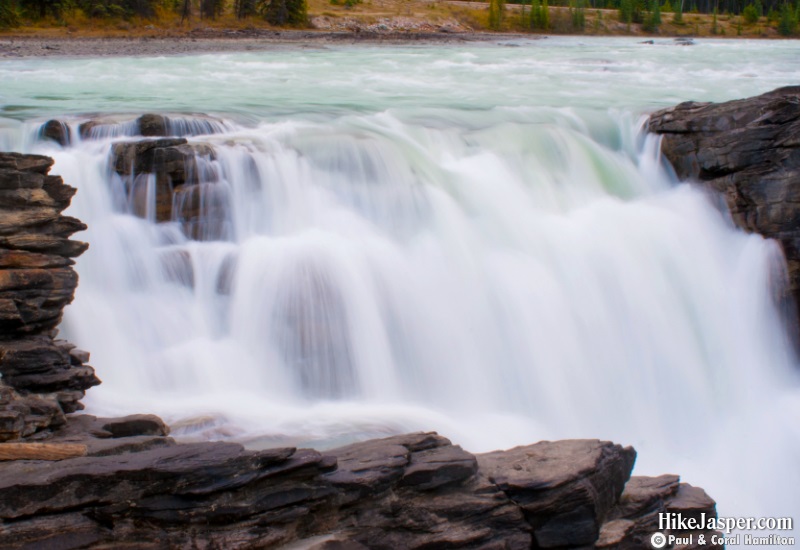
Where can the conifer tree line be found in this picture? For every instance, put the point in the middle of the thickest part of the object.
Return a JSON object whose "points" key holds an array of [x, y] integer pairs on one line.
{"points": [[276, 12], [784, 14], [733, 7]]}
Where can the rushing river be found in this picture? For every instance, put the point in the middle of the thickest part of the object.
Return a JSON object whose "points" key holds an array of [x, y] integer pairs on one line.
{"points": [[476, 239]]}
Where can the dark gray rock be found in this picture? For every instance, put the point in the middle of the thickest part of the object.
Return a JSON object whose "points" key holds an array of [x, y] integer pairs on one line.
{"points": [[31, 487], [691, 502], [41, 379], [749, 151], [635, 518], [338, 545], [374, 466], [96, 128], [175, 166], [566, 488], [415, 491], [439, 467], [136, 424], [643, 495], [17, 162], [151, 125], [57, 131], [420, 491]]}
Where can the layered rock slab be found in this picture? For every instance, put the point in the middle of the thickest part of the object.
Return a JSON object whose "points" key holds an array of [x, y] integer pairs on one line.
{"points": [[139, 488], [41, 378]]}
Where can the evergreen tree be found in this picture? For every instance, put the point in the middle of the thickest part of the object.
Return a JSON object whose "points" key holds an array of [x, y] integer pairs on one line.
{"points": [[677, 17], [639, 7], [535, 15], [545, 15], [787, 24], [750, 14], [211, 9], [626, 11], [714, 28], [8, 14], [285, 12], [496, 12], [577, 14], [186, 10], [244, 8], [773, 15]]}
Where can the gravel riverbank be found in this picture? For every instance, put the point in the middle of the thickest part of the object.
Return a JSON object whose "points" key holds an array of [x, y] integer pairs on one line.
{"points": [[221, 41]]}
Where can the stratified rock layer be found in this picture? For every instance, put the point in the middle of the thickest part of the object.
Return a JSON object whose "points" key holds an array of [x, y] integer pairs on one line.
{"points": [[42, 378], [748, 150], [141, 489]]}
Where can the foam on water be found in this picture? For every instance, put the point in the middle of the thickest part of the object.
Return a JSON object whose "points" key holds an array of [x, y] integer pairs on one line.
{"points": [[473, 239]]}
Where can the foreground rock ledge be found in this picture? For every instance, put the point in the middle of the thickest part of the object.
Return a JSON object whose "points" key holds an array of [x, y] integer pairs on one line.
{"points": [[141, 489], [749, 151]]}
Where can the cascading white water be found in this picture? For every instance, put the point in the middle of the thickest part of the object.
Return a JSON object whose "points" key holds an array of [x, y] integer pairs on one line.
{"points": [[496, 270]]}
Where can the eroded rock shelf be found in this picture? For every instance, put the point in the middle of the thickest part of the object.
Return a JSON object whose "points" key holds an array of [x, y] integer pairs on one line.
{"points": [[747, 150]]}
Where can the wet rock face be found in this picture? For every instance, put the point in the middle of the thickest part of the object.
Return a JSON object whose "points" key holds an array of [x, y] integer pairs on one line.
{"points": [[42, 378], [169, 179], [57, 131], [749, 151], [163, 176], [410, 491], [152, 125]]}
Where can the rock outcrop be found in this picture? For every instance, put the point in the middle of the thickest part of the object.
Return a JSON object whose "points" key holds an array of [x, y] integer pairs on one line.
{"points": [[170, 179], [57, 131], [749, 151], [41, 378], [163, 176], [411, 491], [172, 162]]}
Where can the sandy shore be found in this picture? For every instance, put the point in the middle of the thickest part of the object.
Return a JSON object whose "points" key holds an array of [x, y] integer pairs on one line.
{"points": [[221, 41]]}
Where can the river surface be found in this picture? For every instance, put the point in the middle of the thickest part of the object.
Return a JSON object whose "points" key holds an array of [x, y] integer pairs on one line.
{"points": [[475, 239]]}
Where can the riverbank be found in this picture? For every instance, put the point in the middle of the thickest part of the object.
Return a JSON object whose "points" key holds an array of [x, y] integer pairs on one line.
{"points": [[380, 21], [211, 42]]}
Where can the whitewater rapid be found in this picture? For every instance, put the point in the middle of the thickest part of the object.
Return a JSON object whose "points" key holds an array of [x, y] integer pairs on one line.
{"points": [[478, 240]]}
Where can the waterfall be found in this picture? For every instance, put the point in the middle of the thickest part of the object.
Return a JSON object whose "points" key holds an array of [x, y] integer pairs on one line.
{"points": [[500, 274]]}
